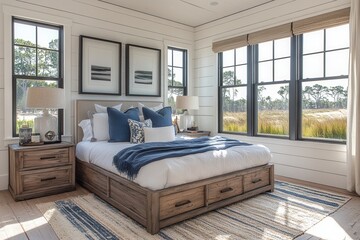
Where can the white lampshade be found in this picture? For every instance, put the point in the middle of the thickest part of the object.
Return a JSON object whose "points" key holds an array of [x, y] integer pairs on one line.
{"points": [[45, 97], [187, 102]]}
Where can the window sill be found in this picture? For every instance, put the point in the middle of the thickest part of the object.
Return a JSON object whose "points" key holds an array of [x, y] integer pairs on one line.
{"points": [[286, 142]]}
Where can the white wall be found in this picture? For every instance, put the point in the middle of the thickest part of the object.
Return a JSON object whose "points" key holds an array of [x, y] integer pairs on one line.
{"points": [[317, 162], [90, 18]]}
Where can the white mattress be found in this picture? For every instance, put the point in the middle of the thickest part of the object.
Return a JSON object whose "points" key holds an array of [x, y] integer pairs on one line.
{"points": [[175, 171]]}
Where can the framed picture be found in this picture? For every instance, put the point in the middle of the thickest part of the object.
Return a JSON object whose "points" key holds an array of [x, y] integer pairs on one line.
{"points": [[143, 67], [100, 66]]}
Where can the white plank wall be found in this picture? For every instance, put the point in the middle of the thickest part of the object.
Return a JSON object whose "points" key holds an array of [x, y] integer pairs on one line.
{"points": [[316, 162], [95, 19], [321, 163]]}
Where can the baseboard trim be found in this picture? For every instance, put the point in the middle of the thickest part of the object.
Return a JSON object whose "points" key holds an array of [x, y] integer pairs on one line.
{"points": [[4, 182]]}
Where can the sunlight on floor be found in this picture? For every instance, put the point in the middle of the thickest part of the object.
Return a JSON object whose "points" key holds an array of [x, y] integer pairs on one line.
{"points": [[11, 230], [49, 213], [329, 229], [223, 237]]}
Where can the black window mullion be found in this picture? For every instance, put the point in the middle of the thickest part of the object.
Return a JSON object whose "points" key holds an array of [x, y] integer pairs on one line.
{"points": [[250, 91], [293, 94], [36, 51], [220, 98], [254, 93], [185, 75], [234, 83], [324, 54], [273, 61]]}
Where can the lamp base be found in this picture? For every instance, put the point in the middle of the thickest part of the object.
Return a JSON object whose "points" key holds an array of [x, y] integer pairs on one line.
{"points": [[47, 126]]}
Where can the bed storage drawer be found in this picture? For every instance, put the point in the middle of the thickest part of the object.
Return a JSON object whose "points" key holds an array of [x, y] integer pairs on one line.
{"points": [[256, 179], [45, 158], [174, 204], [225, 189]]}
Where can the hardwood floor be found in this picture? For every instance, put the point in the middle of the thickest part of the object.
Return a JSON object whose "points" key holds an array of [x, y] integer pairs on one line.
{"points": [[22, 220]]}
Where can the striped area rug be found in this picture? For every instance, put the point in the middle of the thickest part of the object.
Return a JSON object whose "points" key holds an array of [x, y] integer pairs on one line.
{"points": [[284, 214]]}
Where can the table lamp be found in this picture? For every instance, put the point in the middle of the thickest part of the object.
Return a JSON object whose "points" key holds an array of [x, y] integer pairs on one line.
{"points": [[46, 98], [188, 103]]}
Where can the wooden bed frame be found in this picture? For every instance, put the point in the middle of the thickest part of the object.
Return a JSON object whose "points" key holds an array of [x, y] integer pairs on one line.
{"points": [[156, 209]]}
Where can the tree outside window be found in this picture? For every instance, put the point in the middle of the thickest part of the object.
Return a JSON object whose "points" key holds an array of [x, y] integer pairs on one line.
{"points": [[37, 54], [304, 76], [177, 75]]}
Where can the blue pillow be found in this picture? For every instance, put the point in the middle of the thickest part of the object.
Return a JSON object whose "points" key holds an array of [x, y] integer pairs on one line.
{"points": [[160, 118], [119, 130]]}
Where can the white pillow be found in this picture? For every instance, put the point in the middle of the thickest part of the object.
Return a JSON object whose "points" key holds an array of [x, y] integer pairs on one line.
{"points": [[160, 134], [103, 109], [101, 126], [140, 106], [87, 129]]}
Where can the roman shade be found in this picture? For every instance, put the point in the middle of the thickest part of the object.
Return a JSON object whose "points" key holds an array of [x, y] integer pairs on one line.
{"points": [[231, 43], [269, 34], [322, 21]]}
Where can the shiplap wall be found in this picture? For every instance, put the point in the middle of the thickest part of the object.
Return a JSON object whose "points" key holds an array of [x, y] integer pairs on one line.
{"points": [[90, 18], [317, 162]]}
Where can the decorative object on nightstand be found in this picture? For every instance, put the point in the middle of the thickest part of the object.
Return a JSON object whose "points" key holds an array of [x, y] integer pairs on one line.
{"points": [[187, 103], [46, 98], [25, 135], [36, 171]]}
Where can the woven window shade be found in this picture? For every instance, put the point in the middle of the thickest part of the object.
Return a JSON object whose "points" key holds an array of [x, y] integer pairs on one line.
{"points": [[228, 44], [299, 27], [269, 34], [326, 20]]}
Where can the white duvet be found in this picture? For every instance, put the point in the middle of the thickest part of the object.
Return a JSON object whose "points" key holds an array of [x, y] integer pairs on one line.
{"points": [[175, 171]]}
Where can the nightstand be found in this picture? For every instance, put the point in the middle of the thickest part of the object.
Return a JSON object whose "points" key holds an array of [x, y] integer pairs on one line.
{"points": [[187, 134], [36, 171]]}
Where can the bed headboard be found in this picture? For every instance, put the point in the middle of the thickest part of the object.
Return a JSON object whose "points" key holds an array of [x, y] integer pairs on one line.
{"points": [[83, 107]]}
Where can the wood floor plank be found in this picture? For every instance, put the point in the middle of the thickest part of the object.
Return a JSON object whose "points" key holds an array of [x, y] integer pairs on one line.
{"points": [[32, 221], [5, 197], [343, 224], [10, 228]]}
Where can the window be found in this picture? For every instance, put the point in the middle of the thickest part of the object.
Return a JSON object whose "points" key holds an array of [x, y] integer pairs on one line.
{"points": [[293, 87], [324, 83], [37, 57], [177, 74], [272, 87], [233, 90]]}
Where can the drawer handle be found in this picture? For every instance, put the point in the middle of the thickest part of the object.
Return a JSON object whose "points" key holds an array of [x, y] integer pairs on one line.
{"points": [[228, 189], [47, 179], [256, 180], [182, 203], [44, 158]]}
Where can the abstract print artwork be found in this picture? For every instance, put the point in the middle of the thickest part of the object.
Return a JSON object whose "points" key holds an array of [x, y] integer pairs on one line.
{"points": [[143, 68], [100, 62]]}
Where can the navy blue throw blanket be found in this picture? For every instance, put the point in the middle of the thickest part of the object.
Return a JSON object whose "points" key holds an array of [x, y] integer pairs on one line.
{"points": [[131, 159]]}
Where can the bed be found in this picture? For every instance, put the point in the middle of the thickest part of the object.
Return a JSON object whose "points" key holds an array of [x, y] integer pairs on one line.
{"points": [[160, 204]]}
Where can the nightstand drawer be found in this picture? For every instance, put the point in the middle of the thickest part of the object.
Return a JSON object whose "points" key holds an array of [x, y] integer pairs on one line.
{"points": [[45, 179], [44, 158], [36, 171]]}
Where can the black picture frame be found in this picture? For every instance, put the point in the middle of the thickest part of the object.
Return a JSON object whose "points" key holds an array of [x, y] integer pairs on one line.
{"points": [[99, 66], [143, 71]]}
